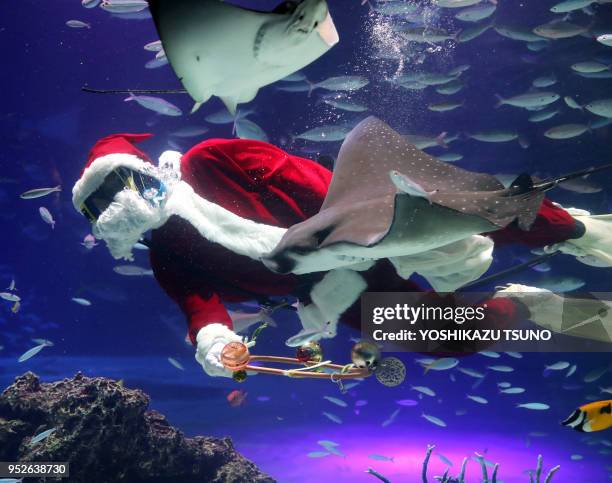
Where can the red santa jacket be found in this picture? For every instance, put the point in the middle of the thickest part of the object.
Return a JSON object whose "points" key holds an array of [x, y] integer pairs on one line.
{"points": [[260, 182]]}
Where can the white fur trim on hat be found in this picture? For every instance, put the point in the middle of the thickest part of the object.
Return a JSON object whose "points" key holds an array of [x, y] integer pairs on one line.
{"points": [[94, 174]]}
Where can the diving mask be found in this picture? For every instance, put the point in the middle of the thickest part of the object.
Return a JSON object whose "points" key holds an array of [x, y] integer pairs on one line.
{"points": [[149, 187]]}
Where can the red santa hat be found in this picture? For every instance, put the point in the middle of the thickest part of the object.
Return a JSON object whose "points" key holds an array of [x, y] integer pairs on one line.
{"points": [[107, 154]]}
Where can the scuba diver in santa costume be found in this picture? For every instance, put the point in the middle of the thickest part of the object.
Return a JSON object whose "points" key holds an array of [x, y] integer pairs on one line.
{"points": [[234, 220]]}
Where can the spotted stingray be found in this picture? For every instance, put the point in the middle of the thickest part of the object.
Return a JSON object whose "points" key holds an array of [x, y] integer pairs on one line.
{"points": [[366, 215]]}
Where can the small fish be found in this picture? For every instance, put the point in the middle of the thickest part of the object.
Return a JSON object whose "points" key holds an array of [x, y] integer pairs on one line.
{"points": [[545, 81], [434, 420], [441, 364], [476, 12], [246, 129], [450, 157], [332, 417], [89, 3], [529, 99], [471, 372], [444, 106], [236, 398], [379, 457], [501, 368], [155, 46], [558, 366], [318, 454], [132, 271], [124, 6], [566, 131], [571, 370], [336, 401], [406, 402], [601, 107], [190, 131], [155, 104], [517, 33], [81, 301], [444, 459], [327, 443], [342, 83], [10, 297], [46, 216], [424, 390], [544, 115], [534, 406], [139, 246], [561, 284], [559, 29], [225, 117], [242, 321], [498, 136], [325, 133], [595, 416], [345, 105], [89, 241], [390, 419], [405, 185], [42, 436], [576, 457], [606, 390], [513, 390], [360, 403], [491, 354], [595, 374], [605, 39], [39, 192], [515, 355], [78, 24], [589, 67], [478, 399], [504, 384], [176, 363], [31, 353], [570, 5]]}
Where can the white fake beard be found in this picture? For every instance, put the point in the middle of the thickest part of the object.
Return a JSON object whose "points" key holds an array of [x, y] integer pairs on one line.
{"points": [[124, 222]]}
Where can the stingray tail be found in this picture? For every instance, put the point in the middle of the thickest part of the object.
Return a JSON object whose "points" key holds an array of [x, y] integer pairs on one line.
{"points": [[133, 91], [552, 182]]}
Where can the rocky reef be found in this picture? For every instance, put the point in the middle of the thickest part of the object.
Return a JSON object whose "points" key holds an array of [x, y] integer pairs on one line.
{"points": [[106, 433]]}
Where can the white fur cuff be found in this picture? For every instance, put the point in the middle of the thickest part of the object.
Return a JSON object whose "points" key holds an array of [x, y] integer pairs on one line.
{"points": [[210, 341], [338, 290]]}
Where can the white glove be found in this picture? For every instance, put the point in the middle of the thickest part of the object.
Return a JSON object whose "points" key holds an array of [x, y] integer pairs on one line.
{"points": [[211, 340]]}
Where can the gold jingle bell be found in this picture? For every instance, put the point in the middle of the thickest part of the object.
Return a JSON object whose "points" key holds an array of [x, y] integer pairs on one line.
{"points": [[309, 352], [366, 355]]}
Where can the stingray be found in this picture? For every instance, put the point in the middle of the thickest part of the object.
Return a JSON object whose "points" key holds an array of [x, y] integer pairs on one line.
{"points": [[219, 49], [389, 199]]}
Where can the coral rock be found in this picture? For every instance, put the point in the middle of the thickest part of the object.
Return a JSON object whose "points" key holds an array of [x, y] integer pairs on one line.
{"points": [[106, 434]]}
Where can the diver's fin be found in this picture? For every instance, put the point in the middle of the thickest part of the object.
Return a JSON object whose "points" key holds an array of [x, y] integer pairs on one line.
{"points": [[552, 182], [523, 183], [133, 91]]}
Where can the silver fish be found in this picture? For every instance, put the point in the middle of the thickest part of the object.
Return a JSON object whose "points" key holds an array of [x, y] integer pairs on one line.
{"points": [[81, 301], [39, 192], [46, 216], [10, 297], [42, 436], [78, 24], [132, 271], [123, 6], [31, 353], [155, 104], [325, 133], [534, 406], [176, 363], [434, 420], [332, 417]]}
